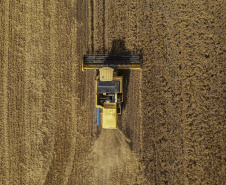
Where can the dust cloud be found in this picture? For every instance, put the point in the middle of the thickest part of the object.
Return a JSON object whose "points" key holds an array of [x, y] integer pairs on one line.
{"points": [[113, 160]]}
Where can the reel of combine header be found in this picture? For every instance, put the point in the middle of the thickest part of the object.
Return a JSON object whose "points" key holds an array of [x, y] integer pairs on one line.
{"points": [[115, 62]]}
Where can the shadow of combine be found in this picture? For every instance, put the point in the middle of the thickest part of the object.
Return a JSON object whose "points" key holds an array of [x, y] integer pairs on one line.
{"points": [[118, 50], [120, 56]]}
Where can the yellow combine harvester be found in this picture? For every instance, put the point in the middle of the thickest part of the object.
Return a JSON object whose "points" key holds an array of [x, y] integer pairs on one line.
{"points": [[109, 85]]}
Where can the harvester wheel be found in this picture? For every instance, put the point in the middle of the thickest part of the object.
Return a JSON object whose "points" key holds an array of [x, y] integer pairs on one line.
{"points": [[125, 82], [123, 108]]}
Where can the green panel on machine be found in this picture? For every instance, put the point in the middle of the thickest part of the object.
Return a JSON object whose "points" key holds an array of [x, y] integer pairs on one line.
{"points": [[108, 87]]}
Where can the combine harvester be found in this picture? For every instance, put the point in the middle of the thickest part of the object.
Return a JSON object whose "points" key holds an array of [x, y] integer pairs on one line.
{"points": [[109, 85]]}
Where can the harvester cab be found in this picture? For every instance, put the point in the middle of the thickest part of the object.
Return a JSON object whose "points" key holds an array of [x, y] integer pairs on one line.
{"points": [[109, 85]]}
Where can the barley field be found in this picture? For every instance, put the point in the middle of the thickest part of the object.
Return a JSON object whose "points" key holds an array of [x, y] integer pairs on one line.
{"points": [[172, 130]]}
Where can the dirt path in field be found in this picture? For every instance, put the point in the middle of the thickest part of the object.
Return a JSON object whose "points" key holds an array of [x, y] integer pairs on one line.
{"points": [[114, 162], [110, 160]]}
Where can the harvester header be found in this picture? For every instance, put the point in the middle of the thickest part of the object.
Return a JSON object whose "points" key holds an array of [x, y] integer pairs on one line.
{"points": [[115, 62]]}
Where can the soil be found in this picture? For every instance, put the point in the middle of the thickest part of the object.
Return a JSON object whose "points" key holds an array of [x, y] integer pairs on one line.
{"points": [[172, 130]]}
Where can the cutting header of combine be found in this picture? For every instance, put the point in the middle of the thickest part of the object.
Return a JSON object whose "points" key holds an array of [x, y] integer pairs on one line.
{"points": [[109, 85]]}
